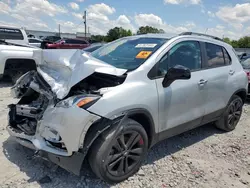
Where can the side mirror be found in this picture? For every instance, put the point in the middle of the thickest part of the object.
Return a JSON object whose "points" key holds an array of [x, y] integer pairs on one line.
{"points": [[177, 72]]}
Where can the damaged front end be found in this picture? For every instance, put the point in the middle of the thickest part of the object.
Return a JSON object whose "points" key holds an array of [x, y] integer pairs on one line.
{"points": [[51, 116]]}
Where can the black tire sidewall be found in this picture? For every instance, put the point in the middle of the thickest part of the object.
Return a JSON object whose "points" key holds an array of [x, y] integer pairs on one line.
{"points": [[226, 124], [102, 148]]}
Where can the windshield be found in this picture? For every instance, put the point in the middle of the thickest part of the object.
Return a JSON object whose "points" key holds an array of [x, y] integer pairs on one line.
{"points": [[128, 53], [246, 64], [92, 47]]}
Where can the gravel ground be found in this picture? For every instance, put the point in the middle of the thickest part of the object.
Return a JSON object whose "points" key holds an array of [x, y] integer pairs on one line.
{"points": [[204, 157]]}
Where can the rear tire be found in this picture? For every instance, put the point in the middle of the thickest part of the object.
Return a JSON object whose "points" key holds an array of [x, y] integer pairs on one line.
{"points": [[114, 157], [232, 114]]}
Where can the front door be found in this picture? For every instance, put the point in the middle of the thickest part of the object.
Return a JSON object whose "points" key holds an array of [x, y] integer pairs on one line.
{"points": [[181, 105]]}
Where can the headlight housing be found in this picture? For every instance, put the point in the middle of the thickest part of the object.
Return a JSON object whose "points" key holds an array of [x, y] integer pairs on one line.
{"points": [[81, 101]]}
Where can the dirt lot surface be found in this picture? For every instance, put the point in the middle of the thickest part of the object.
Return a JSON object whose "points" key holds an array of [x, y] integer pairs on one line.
{"points": [[204, 157]]}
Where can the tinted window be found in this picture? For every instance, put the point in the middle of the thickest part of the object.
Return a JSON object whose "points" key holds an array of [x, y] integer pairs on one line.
{"points": [[34, 41], [74, 41], [128, 53], [69, 41], [80, 42], [186, 53], [56, 38], [92, 48], [11, 34], [214, 55], [227, 57]]}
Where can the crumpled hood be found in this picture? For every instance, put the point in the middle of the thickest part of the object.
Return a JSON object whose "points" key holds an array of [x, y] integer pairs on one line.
{"points": [[62, 69]]}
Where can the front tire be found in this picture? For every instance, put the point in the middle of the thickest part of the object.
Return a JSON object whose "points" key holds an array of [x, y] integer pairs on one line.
{"points": [[231, 116], [115, 156]]}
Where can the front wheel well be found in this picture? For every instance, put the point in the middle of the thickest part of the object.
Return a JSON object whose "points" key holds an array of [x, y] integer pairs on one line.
{"points": [[242, 94], [147, 124]]}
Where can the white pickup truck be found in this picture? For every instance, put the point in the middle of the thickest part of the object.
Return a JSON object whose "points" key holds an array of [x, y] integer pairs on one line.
{"points": [[16, 56], [15, 60]]}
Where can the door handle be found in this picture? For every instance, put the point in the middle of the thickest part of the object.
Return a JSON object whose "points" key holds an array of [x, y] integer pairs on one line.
{"points": [[202, 82], [231, 72]]}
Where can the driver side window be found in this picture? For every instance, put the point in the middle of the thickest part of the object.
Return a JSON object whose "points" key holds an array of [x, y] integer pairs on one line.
{"points": [[187, 53]]}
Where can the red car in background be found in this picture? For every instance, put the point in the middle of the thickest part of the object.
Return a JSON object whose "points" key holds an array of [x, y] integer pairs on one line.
{"points": [[68, 44]]}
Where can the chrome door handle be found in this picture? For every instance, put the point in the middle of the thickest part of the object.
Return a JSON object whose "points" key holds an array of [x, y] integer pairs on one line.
{"points": [[202, 82], [231, 72]]}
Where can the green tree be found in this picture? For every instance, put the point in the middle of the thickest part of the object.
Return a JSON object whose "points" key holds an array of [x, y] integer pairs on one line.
{"points": [[97, 38], [227, 40], [149, 29], [235, 44], [244, 42], [117, 32]]}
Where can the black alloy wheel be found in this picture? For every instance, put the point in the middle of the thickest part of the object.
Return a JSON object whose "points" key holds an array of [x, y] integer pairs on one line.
{"points": [[125, 153], [119, 152], [234, 113]]}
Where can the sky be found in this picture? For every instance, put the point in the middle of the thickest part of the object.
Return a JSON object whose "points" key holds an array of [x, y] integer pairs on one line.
{"points": [[222, 18]]}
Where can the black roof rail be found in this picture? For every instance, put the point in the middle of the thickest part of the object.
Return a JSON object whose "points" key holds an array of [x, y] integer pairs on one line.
{"points": [[200, 34]]}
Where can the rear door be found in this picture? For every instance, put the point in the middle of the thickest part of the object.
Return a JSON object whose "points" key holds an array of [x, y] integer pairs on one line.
{"points": [[217, 73]]}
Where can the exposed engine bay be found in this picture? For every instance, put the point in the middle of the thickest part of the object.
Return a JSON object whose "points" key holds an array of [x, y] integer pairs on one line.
{"points": [[35, 96], [94, 82], [52, 115], [60, 75]]}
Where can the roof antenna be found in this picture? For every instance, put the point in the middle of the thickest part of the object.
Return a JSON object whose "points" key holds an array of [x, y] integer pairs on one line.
{"points": [[206, 31]]}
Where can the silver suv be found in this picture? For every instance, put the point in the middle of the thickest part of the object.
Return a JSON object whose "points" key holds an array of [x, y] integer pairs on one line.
{"points": [[114, 104]]}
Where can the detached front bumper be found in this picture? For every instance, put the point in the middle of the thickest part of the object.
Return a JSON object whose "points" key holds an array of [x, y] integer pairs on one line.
{"points": [[69, 125], [71, 163], [61, 131]]}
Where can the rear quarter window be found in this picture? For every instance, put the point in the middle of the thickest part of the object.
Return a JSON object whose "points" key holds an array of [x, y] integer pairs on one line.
{"points": [[226, 56], [11, 34]]}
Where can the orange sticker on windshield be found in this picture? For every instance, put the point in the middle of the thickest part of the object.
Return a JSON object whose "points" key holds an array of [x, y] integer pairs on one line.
{"points": [[143, 54]]}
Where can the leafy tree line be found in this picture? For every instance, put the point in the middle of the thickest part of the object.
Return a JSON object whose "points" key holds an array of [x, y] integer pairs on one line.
{"points": [[243, 42], [119, 32]]}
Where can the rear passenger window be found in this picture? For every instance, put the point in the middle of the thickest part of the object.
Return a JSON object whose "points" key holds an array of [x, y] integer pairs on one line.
{"points": [[215, 56], [11, 34], [227, 57]]}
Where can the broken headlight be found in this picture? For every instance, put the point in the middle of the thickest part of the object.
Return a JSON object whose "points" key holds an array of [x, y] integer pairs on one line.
{"points": [[80, 101]]}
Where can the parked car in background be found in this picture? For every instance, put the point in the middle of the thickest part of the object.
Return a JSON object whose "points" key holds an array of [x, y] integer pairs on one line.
{"points": [[93, 47], [245, 57], [68, 44], [35, 42], [16, 59], [13, 35], [49, 40], [115, 104], [242, 55], [246, 66], [31, 36]]}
